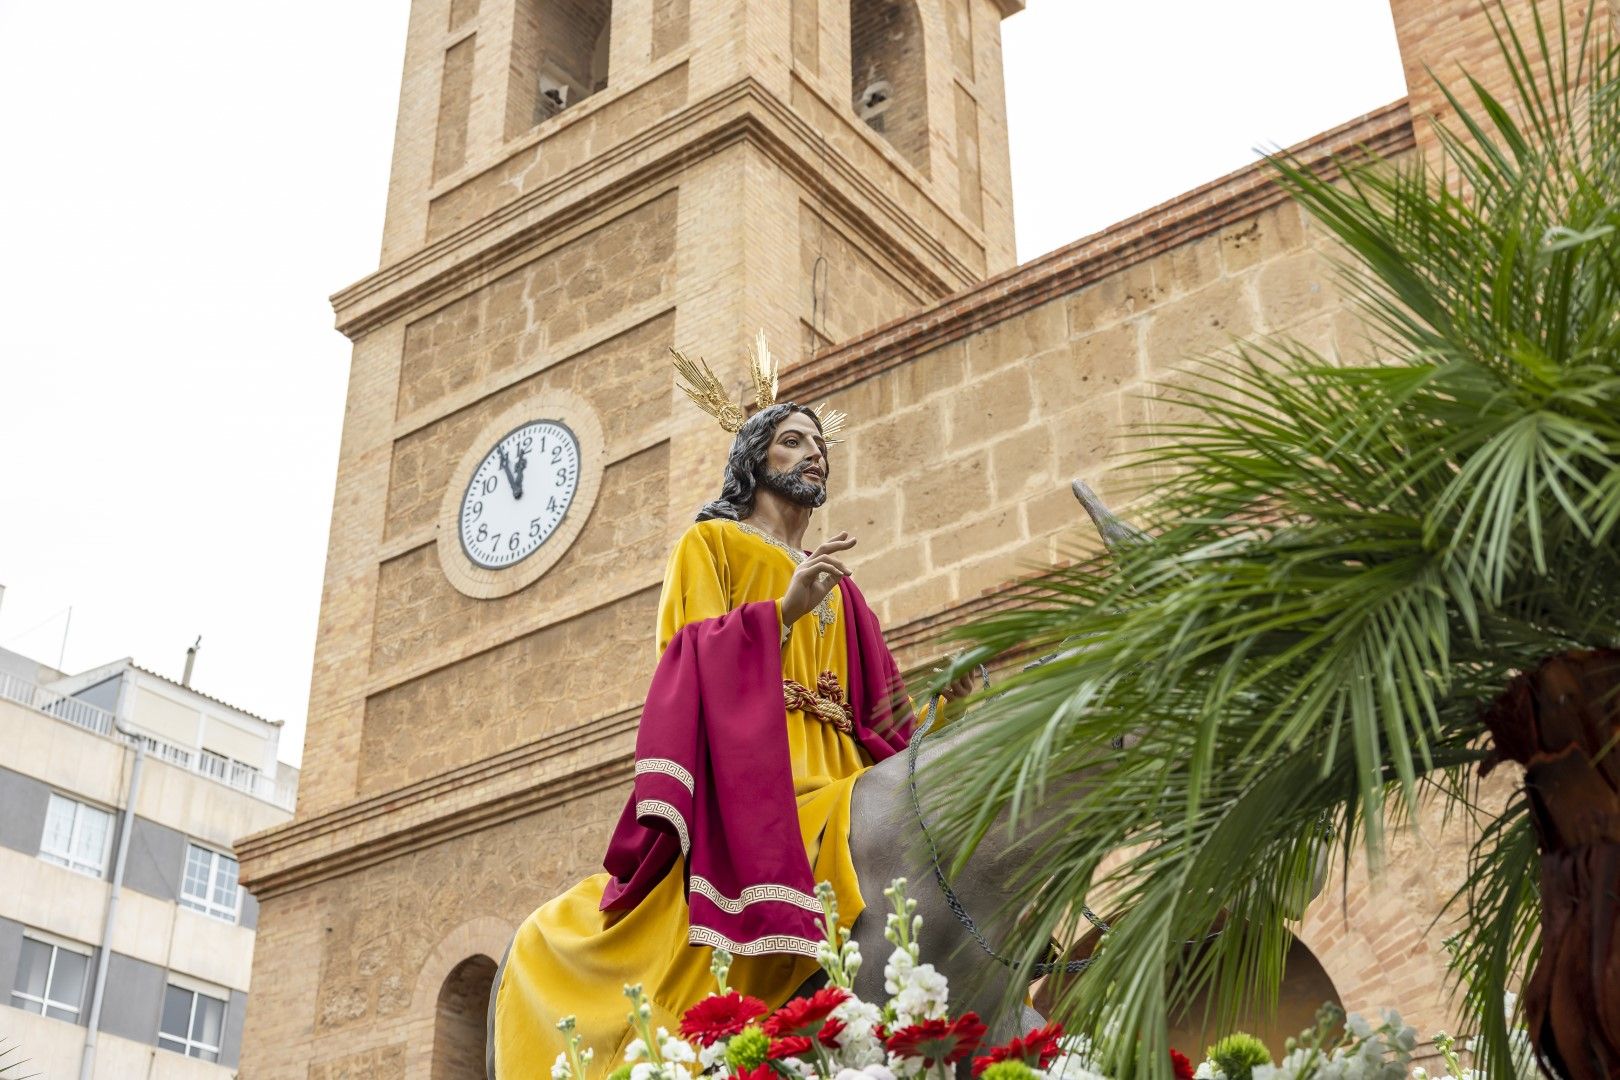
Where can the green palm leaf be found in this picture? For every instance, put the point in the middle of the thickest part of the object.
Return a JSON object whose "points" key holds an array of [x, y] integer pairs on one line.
{"points": [[1349, 563]]}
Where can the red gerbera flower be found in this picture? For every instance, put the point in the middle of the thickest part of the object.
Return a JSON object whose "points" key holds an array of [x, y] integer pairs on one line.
{"points": [[787, 1046], [1038, 1049], [1180, 1065], [939, 1040], [720, 1016], [762, 1071], [828, 1035], [804, 1016]]}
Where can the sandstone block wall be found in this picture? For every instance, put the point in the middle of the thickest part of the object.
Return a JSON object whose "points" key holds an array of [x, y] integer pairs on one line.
{"points": [[955, 477]]}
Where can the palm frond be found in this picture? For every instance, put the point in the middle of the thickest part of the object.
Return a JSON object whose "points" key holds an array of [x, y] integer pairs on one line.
{"points": [[1348, 563]]}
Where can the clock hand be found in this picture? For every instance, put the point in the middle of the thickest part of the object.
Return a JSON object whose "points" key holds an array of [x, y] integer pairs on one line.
{"points": [[516, 475], [506, 467]]}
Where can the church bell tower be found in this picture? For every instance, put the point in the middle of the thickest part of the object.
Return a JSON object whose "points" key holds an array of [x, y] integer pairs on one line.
{"points": [[577, 186]]}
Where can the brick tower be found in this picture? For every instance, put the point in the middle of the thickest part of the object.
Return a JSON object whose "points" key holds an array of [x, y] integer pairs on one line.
{"points": [[576, 186]]}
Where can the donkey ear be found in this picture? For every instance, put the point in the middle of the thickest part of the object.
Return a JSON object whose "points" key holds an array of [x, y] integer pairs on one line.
{"points": [[1114, 532]]}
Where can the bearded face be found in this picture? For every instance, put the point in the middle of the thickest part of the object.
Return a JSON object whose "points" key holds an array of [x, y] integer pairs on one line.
{"points": [[795, 486], [795, 464]]}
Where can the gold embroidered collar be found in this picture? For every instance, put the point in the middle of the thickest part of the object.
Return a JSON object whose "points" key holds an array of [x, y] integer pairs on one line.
{"points": [[824, 610]]}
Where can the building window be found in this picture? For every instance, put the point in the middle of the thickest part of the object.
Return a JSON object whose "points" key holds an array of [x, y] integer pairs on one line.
{"points": [[888, 74], [192, 1023], [76, 836], [210, 883], [50, 979], [560, 52]]}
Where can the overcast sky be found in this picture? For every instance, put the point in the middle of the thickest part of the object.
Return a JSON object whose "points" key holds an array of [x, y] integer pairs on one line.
{"points": [[184, 184]]}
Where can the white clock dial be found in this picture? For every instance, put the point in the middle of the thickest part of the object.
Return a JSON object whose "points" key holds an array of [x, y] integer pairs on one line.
{"points": [[519, 494]]}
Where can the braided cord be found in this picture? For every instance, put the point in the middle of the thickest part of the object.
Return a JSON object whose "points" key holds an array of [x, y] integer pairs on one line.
{"points": [[954, 902]]}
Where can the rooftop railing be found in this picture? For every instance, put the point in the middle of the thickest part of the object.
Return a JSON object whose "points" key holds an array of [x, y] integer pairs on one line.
{"points": [[99, 721]]}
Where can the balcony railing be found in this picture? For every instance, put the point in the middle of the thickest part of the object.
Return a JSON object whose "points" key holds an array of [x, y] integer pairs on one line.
{"points": [[76, 712], [91, 718]]}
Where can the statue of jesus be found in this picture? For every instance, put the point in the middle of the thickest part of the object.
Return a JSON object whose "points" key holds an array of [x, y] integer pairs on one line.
{"points": [[773, 692]]}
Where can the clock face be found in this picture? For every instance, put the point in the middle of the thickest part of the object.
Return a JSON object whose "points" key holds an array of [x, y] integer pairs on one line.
{"points": [[519, 494]]}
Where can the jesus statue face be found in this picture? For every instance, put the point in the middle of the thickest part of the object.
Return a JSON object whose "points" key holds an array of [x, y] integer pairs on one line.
{"points": [[795, 465]]}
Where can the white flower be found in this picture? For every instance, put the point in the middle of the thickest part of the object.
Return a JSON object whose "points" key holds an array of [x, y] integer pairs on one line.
{"points": [[905, 1067], [877, 1072], [921, 996], [560, 1069], [1207, 1071], [1076, 1064], [677, 1051], [712, 1055], [858, 1044], [636, 1050], [897, 972], [1073, 1067]]}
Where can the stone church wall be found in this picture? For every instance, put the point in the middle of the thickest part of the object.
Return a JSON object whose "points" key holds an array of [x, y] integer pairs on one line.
{"points": [[971, 417], [367, 1006]]}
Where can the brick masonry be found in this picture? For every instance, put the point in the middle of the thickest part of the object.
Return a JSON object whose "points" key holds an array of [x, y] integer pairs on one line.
{"points": [[466, 758]]}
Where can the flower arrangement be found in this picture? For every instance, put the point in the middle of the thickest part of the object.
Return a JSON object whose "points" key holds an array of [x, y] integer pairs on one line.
{"points": [[831, 1034]]}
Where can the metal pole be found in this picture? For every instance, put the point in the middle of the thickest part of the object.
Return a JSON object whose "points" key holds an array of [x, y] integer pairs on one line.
{"points": [[61, 653], [126, 824]]}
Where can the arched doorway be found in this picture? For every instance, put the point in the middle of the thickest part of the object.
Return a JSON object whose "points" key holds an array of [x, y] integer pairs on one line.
{"points": [[1305, 988], [458, 1023]]}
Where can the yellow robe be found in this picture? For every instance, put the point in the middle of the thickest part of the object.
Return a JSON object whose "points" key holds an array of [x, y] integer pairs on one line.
{"points": [[571, 959]]}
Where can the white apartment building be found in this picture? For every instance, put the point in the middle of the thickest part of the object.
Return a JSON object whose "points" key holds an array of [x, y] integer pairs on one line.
{"points": [[125, 941]]}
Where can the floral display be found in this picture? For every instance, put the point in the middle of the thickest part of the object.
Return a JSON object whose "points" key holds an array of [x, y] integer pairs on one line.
{"points": [[831, 1034]]}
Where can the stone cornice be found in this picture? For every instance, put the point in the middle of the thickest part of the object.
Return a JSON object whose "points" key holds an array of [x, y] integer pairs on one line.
{"points": [[745, 111], [1199, 212], [543, 773]]}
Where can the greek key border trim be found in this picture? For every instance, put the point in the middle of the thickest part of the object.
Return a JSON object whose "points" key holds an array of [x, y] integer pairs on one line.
{"points": [[666, 767], [774, 943], [658, 808], [753, 894]]}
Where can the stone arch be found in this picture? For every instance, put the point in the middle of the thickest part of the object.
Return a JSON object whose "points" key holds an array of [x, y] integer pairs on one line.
{"points": [[889, 74], [560, 52], [464, 961], [459, 1018], [1306, 986]]}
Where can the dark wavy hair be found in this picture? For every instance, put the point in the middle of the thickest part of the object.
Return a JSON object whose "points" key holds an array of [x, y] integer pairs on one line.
{"points": [[747, 460]]}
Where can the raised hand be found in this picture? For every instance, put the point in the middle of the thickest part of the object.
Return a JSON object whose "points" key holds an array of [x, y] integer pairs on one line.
{"points": [[817, 576]]}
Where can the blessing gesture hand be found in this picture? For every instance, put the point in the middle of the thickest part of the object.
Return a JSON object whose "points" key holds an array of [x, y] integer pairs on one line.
{"points": [[815, 578]]}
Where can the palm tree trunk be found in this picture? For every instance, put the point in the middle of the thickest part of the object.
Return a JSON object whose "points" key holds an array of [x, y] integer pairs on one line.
{"points": [[1562, 723]]}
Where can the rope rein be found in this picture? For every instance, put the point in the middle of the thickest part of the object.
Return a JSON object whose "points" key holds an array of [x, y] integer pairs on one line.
{"points": [[954, 902]]}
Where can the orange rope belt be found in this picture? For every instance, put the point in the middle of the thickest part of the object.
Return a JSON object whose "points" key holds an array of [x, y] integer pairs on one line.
{"points": [[826, 702]]}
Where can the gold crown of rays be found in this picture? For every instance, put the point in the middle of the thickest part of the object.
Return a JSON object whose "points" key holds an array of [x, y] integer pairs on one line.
{"points": [[709, 393]]}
